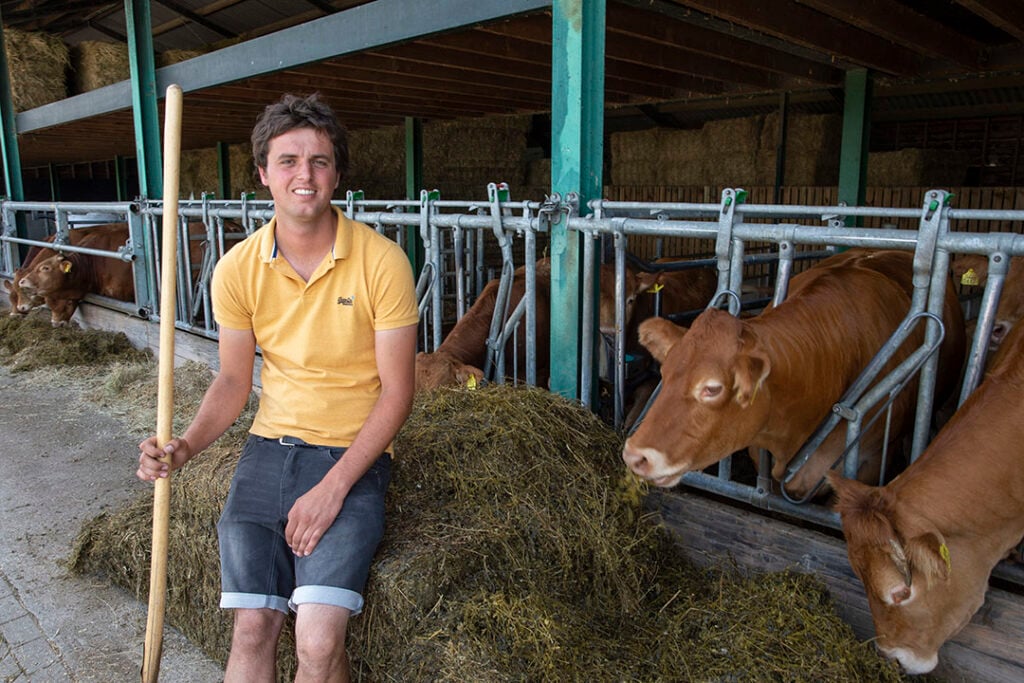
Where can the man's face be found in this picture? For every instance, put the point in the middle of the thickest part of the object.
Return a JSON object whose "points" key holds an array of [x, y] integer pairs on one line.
{"points": [[301, 174]]}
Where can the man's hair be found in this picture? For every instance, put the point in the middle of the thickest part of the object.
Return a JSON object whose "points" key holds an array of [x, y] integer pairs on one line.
{"points": [[292, 112]]}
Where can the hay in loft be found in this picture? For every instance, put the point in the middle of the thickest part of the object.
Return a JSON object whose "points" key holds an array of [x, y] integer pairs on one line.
{"points": [[31, 342], [515, 551], [168, 57], [37, 63], [98, 63]]}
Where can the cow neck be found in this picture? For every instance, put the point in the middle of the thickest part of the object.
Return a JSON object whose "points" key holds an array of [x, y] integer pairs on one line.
{"points": [[802, 386], [969, 483]]}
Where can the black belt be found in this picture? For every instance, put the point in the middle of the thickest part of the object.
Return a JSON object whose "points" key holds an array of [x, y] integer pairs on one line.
{"points": [[296, 441]]}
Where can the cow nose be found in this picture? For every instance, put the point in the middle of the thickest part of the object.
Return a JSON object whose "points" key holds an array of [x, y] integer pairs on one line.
{"points": [[900, 594], [634, 459]]}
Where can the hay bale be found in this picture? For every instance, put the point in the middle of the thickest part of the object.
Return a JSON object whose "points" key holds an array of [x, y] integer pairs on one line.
{"points": [[95, 64], [198, 173], [168, 57], [37, 64], [911, 167]]}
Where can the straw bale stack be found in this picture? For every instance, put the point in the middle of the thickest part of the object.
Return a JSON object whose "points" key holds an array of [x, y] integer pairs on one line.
{"points": [[95, 64], [198, 173], [377, 162], [470, 153], [168, 57], [37, 63], [658, 156], [918, 167]]}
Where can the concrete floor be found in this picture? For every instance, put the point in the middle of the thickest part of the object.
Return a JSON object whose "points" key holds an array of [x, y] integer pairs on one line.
{"points": [[62, 462]]}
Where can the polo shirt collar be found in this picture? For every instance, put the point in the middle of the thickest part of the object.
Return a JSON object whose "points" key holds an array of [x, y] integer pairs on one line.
{"points": [[342, 238]]}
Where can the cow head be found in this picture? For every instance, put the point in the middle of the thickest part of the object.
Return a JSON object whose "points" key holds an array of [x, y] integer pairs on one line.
{"points": [[22, 301], [712, 401], [46, 276], [972, 269], [920, 592], [441, 369]]}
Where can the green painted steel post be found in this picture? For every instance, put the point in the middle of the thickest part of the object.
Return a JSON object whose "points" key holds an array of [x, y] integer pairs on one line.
{"points": [[413, 185], [120, 180], [577, 154], [144, 98], [223, 171], [9, 139], [853, 157]]}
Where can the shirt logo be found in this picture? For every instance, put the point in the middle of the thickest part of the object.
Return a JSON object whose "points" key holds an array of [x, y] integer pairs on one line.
{"points": [[347, 300]]}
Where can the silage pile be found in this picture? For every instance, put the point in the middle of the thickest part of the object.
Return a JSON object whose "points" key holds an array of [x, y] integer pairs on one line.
{"points": [[515, 551]]}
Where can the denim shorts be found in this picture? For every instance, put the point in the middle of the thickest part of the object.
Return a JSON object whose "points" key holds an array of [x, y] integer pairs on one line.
{"points": [[258, 569]]}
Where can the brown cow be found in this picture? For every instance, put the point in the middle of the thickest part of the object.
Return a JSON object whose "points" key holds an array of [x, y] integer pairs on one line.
{"points": [[767, 382], [925, 544], [463, 352], [680, 290], [21, 302], [64, 280], [1011, 300]]}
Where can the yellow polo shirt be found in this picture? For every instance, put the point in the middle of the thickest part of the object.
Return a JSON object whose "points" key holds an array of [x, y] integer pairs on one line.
{"points": [[319, 373]]}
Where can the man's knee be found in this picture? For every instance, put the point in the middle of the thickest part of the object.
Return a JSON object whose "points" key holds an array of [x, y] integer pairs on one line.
{"points": [[256, 628], [320, 636]]}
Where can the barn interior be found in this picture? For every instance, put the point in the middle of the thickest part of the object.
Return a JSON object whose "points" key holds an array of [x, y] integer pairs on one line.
{"points": [[798, 102]]}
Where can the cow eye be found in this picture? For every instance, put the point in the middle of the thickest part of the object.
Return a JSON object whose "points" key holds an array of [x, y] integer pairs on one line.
{"points": [[711, 390]]}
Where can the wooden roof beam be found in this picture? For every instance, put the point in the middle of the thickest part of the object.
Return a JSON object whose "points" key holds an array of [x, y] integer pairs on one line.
{"points": [[903, 26], [831, 40], [1007, 15]]}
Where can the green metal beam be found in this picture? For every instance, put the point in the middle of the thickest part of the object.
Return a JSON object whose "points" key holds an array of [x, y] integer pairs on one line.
{"points": [[144, 98], [853, 156], [413, 185], [577, 153], [223, 171], [8, 132], [120, 178]]}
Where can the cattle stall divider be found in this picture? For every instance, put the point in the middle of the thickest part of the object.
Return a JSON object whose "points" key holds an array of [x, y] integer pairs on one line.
{"points": [[57, 220], [730, 225]]}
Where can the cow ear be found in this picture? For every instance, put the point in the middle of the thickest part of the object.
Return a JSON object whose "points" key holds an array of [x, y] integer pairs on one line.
{"points": [[752, 368], [659, 335], [7, 285], [929, 553], [65, 266], [465, 373], [647, 282]]}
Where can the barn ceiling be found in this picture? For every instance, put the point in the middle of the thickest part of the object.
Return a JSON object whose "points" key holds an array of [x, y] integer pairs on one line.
{"points": [[670, 63]]}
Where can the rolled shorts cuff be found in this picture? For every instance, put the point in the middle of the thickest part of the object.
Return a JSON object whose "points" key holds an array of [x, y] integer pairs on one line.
{"points": [[327, 595], [253, 601]]}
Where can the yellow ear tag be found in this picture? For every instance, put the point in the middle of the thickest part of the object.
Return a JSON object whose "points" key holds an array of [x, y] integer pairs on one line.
{"points": [[969, 278], [471, 382], [944, 552], [656, 288], [66, 266]]}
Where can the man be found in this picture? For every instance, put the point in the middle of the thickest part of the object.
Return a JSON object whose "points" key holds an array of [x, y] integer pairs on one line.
{"points": [[332, 306]]}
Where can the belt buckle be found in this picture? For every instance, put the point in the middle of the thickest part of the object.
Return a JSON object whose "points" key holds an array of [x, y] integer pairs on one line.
{"points": [[291, 441]]}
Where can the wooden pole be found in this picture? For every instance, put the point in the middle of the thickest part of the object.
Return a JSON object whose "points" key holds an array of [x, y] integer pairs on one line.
{"points": [[165, 390]]}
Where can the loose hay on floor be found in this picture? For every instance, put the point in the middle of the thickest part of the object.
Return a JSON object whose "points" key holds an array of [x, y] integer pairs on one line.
{"points": [[516, 550], [31, 342]]}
